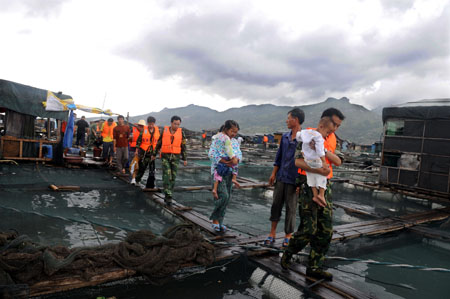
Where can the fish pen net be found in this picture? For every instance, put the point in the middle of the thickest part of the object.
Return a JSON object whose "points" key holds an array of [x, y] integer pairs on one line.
{"points": [[155, 256]]}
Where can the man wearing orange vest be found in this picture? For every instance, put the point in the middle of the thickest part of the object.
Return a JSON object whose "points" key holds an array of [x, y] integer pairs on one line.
{"points": [[133, 158], [145, 147], [316, 226], [172, 144], [108, 141], [203, 139], [265, 142]]}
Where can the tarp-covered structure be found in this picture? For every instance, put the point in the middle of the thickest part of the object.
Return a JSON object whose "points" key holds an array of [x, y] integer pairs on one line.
{"points": [[28, 100], [416, 147], [22, 104]]}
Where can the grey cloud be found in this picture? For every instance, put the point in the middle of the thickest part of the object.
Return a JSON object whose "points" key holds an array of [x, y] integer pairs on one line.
{"points": [[237, 56]]}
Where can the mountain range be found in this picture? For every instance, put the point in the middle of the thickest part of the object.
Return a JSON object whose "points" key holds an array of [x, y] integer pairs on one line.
{"points": [[361, 125]]}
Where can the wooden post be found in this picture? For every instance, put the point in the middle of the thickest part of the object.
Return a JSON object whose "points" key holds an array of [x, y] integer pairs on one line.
{"points": [[40, 149], [48, 128], [20, 148], [58, 131]]}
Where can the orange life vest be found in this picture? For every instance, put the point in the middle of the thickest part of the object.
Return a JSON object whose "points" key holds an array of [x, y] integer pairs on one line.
{"points": [[204, 135], [98, 128], [147, 139], [266, 139], [330, 145], [171, 143], [136, 133], [108, 129]]}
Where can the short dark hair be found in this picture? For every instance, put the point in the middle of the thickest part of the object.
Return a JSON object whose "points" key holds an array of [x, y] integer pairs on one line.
{"points": [[298, 114], [333, 111], [151, 119], [110, 120], [230, 124], [175, 117], [121, 116]]}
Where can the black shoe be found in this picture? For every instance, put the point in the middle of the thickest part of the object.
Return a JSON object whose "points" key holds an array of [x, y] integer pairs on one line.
{"points": [[319, 274], [168, 200], [286, 260]]}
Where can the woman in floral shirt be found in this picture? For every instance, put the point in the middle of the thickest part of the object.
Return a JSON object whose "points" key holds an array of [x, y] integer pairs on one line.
{"points": [[217, 153]]}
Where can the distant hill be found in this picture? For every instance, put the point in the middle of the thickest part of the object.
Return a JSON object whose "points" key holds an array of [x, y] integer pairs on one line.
{"points": [[361, 125]]}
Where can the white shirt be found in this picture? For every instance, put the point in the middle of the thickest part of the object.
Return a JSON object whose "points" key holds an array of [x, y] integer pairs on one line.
{"points": [[306, 136]]}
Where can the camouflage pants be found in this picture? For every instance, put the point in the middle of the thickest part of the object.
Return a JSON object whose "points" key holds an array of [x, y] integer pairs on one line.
{"points": [[224, 192], [316, 228], [169, 168], [144, 162]]}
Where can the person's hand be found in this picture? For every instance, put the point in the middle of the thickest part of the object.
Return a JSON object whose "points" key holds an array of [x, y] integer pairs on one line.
{"points": [[272, 179], [153, 158], [297, 190], [185, 162], [234, 161], [324, 170], [312, 145]]}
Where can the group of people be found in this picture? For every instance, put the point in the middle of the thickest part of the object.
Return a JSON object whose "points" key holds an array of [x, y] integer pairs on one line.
{"points": [[301, 173], [143, 142]]}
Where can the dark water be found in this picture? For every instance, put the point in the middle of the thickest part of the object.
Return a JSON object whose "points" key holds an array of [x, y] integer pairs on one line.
{"points": [[107, 208]]}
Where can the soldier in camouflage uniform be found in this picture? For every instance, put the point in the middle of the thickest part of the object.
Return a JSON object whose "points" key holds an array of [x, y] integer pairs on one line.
{"points": [[316, 226], [172, 144]]}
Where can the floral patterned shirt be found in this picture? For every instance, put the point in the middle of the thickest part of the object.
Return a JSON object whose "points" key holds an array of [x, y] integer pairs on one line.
{"points": [[218, 150]]}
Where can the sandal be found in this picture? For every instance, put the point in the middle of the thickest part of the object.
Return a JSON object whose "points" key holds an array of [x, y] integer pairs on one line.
{"points": [[269, 241], [285, 242], [216, 227], [223, 228]]}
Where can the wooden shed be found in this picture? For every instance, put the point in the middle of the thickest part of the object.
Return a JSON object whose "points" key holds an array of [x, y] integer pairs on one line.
{"points": [[21, 105]]}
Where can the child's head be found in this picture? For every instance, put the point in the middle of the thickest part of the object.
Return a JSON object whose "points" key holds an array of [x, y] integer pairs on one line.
{"points": [[325, 126], [230, 128]]}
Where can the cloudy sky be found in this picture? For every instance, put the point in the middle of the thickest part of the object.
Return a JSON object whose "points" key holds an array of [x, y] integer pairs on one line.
{"points": [[140, 56]]}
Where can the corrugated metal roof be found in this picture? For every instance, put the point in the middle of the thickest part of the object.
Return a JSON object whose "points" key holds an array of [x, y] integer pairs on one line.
{"points": [[425, 103]]}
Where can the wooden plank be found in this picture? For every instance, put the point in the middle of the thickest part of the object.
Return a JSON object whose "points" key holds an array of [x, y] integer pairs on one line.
{"points": [[28, 159], [189, 215], [62, 284], [206, 187], [296, 277]]}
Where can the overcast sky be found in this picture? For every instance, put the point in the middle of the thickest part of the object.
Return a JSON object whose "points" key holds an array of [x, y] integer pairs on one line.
{"points": [[142, 56]]}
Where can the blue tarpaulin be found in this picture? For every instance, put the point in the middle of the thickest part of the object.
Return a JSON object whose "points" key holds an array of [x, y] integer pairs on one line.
{"points": [[68, 135]]}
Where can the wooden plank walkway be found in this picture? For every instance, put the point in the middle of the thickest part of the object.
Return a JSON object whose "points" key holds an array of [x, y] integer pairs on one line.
{"points": [[370, 227], [296, 277]]}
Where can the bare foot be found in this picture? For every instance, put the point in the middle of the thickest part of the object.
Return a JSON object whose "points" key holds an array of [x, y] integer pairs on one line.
{"points": [[322, 199], [236, 184], [214, 192], [318, 201]]}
